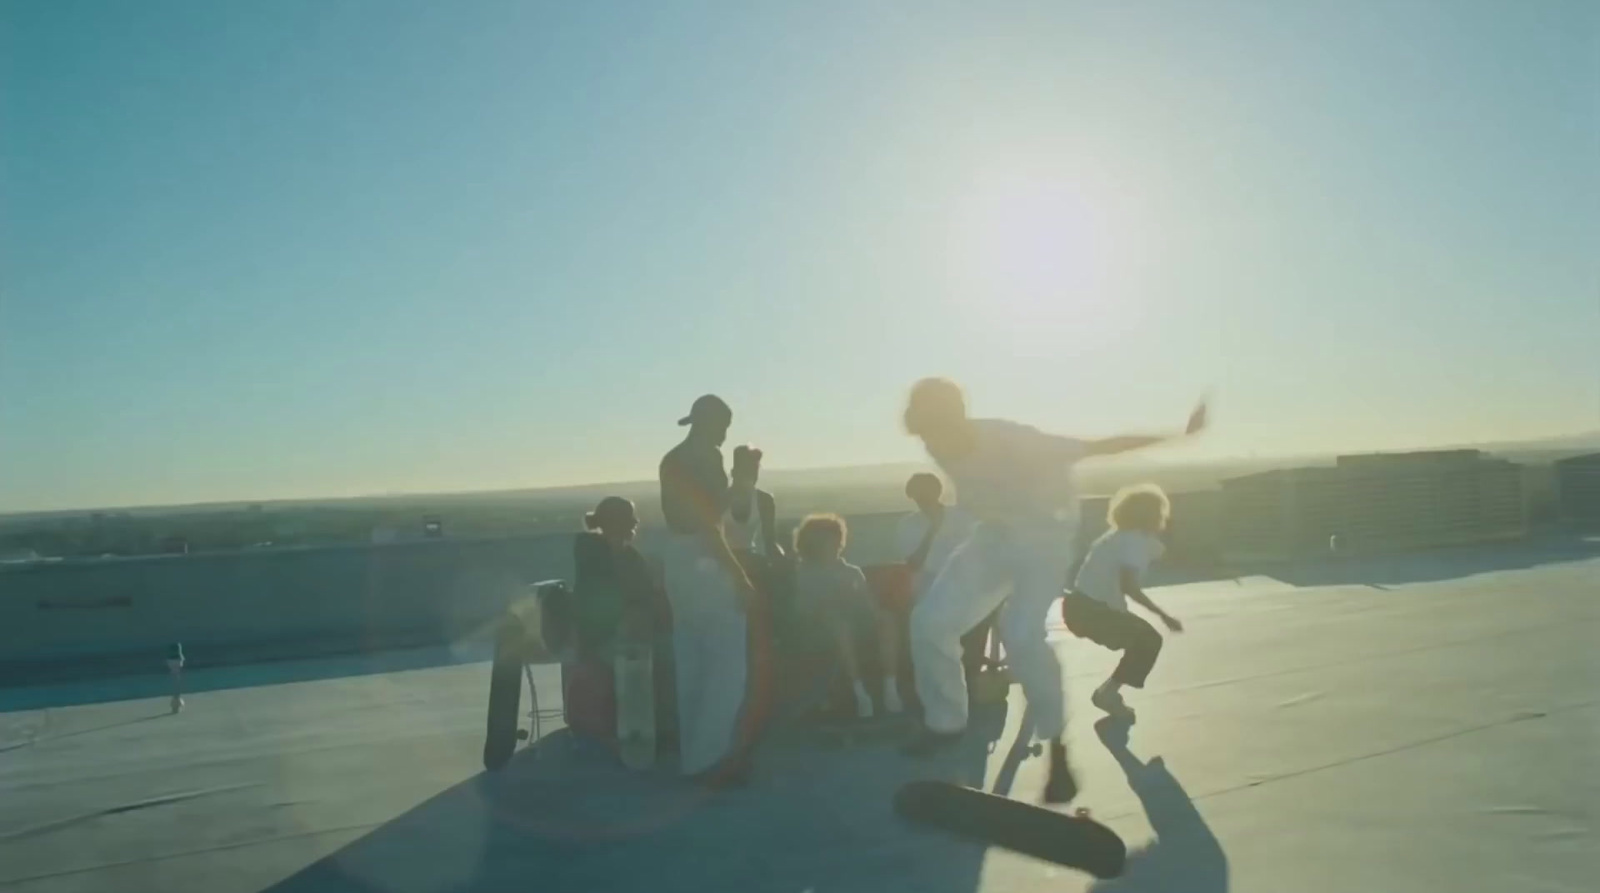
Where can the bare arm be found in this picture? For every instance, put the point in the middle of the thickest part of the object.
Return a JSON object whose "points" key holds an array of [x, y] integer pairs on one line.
{"points": [[1132, 589], [1108, 446], [710, 530]]}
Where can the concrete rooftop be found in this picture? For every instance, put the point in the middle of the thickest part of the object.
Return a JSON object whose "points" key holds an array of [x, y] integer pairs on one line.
{"points": [[1428, 723]]}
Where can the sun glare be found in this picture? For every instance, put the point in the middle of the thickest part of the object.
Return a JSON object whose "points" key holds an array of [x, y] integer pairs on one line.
{"points": [[1038, 256]]}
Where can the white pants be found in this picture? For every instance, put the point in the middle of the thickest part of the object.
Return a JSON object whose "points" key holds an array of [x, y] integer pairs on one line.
{"points": [[708, 639], [1026, 569]]}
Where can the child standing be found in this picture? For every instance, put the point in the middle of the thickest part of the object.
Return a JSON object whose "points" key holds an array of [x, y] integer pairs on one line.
{"points": [[1095, 608], [835, 590]]}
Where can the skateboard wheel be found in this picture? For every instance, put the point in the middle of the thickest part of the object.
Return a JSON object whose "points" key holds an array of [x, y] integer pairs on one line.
{"points": [[1081, 812]]}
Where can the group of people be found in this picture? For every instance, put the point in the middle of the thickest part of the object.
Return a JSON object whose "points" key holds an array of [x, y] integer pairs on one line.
{"points": [[1002, 552]]}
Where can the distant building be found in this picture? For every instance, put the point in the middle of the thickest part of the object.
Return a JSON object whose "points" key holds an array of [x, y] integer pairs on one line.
{"points": [[396, 530], [1374, 502], [1578, 488]]}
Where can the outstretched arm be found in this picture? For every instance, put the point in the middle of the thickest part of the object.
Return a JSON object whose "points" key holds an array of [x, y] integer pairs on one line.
{"points": [[1109, 446]]}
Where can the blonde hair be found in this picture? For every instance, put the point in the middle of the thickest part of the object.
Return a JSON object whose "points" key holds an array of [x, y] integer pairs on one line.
{"points": [[1140, 507], [818, 531]]}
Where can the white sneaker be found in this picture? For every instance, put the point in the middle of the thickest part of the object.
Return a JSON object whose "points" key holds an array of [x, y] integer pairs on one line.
{"points": [[863, 702], [177, 703], [891, 697]]}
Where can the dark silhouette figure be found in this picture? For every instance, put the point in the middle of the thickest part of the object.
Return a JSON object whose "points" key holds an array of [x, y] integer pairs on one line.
{"points": [[1185, 857]]}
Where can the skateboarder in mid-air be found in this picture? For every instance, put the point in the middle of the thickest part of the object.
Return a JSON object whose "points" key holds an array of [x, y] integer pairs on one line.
{"points": [[835, 591], [1095, 609], [1017, 482]]}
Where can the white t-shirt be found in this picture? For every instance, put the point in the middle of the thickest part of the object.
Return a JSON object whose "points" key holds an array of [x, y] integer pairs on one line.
{"points": [[1017, 473], [953, 531], [1100, 577], [746, 534]]}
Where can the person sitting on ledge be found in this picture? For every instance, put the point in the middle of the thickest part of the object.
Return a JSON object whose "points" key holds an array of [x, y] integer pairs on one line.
{"points": [[614, 592]]}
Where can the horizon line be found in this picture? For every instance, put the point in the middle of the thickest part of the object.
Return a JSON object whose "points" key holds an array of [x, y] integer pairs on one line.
{"points": [[1549, 442]]}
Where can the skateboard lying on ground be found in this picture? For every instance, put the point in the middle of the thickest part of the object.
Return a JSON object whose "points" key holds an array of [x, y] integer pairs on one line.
{"points": [[636, 705], [505, 693], [1073, 840]]}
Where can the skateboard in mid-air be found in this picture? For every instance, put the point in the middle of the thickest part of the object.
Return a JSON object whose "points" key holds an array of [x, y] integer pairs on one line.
{"points": [[1070, 839], [636, 705]]}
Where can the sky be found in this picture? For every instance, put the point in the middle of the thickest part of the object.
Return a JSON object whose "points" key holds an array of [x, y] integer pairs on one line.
{"points": [[337, 247]]}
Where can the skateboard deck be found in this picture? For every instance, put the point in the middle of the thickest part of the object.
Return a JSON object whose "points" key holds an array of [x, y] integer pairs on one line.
{"points": [[1073, 840], [505, 694], [636, 706]]}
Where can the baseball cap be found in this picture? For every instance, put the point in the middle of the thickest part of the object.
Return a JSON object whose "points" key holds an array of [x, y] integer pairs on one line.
{"points": [[707, 408]]}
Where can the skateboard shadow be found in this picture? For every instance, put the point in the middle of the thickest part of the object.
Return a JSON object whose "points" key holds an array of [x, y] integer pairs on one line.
{"points": [[1185, 856], [1022, 747], [565, 817]]}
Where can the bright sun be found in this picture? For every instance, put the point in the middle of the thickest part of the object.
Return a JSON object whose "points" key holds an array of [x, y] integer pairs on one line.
{"points": [[1038, 255]]}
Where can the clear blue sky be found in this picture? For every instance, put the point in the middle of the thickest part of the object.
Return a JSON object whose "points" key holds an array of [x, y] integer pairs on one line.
{"points": [[325, 247]]}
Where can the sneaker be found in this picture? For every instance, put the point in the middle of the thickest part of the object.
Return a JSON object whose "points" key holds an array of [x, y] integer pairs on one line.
{"points": [[1111, 702], [1062, 787], [177, 704]]}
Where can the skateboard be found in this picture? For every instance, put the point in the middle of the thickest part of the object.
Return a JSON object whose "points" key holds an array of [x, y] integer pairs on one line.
{"points": [[505, 693], [636, 705], [1074, 840]]}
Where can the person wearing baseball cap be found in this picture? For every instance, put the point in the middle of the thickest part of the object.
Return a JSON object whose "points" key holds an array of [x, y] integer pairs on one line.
{"points": [[711, 412], [710, 594]]}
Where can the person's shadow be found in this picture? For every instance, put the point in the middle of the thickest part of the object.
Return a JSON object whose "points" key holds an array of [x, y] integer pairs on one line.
{"points": [[563, 817], [1184, 857]]}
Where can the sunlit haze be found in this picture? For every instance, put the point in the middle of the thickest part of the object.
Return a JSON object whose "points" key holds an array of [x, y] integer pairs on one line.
{"points": [[308, 248]]}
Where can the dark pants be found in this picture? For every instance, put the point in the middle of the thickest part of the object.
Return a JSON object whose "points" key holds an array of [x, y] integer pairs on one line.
{"points": [[975, 645], [1118, 630]]}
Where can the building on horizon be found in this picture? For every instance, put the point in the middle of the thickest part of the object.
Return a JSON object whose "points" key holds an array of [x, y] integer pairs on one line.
{"points": [[1378, 502], [1578, 489]]}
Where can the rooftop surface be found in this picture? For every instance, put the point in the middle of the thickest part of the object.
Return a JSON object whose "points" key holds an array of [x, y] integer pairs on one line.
{"points": [[1427, 723]]}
